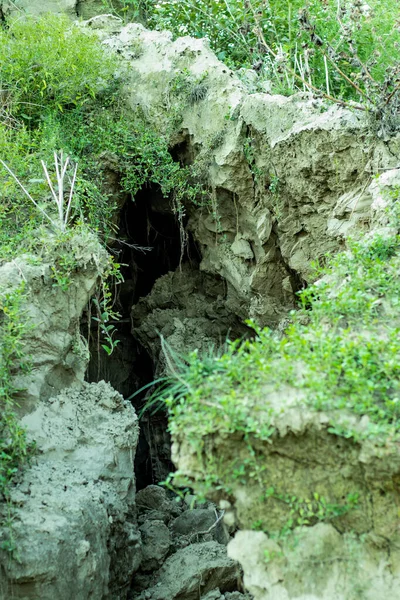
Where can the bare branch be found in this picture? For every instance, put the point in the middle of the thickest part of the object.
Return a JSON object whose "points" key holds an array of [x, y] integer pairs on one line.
{"points": [[27, 193], [61, 171]]}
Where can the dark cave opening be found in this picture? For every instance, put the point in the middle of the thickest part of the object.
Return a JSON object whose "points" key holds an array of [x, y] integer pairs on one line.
{"points": [[148, 246], [150, 242], [185, 150]]}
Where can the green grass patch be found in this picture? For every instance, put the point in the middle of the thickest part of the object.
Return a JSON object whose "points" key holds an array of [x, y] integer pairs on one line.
{"points": [[49, 64], [323, 43]]}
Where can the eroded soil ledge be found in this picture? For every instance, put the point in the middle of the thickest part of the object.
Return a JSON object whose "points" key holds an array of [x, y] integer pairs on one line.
{"points": [[287, 180]]}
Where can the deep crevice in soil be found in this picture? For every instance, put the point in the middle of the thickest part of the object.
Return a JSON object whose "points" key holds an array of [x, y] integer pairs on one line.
{"points": [[148, 247]]}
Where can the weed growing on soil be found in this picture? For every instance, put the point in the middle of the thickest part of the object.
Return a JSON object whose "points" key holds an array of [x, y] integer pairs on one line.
{"points": [[309, 511]]}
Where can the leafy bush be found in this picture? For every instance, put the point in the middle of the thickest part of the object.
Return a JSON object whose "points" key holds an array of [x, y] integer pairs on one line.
{"points": [[61, 93], [141, 154], [346, 51], [48, 68], [50, 64]]}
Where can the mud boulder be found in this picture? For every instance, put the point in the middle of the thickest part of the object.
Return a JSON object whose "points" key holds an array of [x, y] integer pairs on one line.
{"points": [[199, 522], [156, 542], [320, 565], [195, 571], [58, 353], [153, 498], [73, 517]]}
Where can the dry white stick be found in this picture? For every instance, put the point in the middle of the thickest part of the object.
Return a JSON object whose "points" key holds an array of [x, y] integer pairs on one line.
{"points": [[327, 76], [218, 520], [71, 193], [61, 171], [49, 181], [27, 193]]}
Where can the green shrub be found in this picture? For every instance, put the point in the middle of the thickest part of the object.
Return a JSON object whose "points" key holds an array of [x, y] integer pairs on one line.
{"points": [[62, 94], [48, 68], [141, 154], [50, 64], [347, 51]]}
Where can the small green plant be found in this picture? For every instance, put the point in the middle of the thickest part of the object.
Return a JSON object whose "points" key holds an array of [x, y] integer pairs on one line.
{"points": [[105, 315], [183, 90], [309, 511], [274, 183], [257, 525], [107, 330], [270, 555]]}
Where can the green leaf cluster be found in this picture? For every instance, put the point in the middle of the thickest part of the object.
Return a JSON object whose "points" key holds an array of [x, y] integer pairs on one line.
{"points": [[237, 30]]}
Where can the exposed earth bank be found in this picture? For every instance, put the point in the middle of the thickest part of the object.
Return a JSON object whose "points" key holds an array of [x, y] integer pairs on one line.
{"points": [[288, 179]]}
